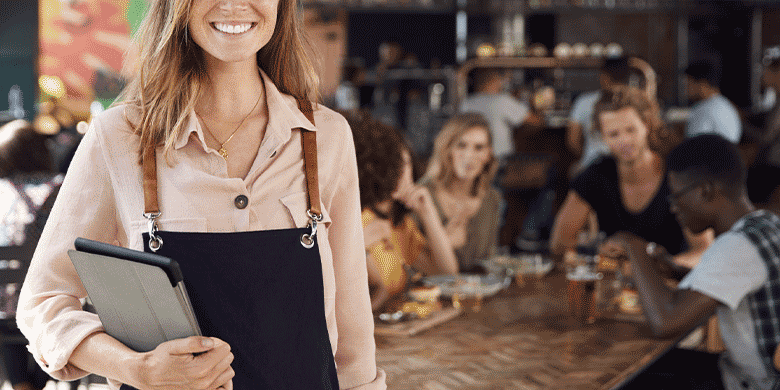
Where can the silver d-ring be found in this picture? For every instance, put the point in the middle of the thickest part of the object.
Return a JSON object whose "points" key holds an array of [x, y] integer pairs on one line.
{"points": [[307, 241], [155, 243]]}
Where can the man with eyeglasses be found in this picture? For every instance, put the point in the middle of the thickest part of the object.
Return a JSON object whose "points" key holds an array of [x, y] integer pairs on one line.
{"points": [[738, 276]]}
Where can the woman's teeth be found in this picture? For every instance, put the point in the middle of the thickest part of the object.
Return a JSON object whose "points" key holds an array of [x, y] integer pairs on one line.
{"points": [[233, 29]]}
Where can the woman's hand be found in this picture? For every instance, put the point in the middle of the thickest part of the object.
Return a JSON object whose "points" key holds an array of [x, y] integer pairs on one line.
{"points": [[417, 198], [173, 365]]}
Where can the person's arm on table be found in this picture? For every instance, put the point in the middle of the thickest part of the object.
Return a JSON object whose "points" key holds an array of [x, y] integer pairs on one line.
{"points": [[572, 218], [697, 244], [440, 259], [669, 311]]}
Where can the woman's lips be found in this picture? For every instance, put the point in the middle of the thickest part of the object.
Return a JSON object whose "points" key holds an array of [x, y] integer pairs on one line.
{"points": [[233, 28]]}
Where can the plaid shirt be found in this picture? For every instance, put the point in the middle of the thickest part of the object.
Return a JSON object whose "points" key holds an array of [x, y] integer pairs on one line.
{"points": [[762, 228]]}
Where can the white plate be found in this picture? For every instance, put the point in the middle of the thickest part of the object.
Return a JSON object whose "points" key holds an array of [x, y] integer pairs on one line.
{"points": [[523, 264], [486, 285]]}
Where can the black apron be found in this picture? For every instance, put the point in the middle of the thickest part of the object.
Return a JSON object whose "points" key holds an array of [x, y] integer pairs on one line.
{"points": [[260, 291]]}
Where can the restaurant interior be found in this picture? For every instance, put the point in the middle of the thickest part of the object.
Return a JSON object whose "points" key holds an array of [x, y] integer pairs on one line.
{"points": [[541, 306]]}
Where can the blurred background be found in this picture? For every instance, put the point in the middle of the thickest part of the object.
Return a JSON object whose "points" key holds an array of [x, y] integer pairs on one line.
{"points": [[409, 63], [71, 51]]}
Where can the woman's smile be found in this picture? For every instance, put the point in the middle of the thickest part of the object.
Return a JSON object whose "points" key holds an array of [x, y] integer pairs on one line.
{"points": [[233, 28]]}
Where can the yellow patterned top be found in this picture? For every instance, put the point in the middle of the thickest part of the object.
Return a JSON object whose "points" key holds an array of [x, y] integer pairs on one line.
{"points": [[403, 247]]}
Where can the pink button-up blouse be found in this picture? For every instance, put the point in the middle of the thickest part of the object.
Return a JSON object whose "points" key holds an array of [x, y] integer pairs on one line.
{"points": [[102, 199]]}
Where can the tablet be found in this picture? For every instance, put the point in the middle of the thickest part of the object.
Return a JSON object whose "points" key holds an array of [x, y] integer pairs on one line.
{"points": [[140, 297]]}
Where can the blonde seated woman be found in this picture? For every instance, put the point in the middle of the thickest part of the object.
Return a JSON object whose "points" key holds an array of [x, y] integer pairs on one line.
{"points": [[628, 190], [391, 205], [459, 176]]}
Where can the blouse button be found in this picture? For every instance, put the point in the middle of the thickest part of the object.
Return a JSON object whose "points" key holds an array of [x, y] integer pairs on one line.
{"points": [[241, 201]]}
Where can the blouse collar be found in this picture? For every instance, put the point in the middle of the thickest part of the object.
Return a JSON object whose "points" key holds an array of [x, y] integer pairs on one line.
{"points": [[283, 117]]}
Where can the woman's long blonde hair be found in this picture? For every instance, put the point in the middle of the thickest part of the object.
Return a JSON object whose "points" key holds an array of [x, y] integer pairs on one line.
{"points": [[171, 69], [440, 168]]}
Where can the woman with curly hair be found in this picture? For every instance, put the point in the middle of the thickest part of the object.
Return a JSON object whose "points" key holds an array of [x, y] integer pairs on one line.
{"points": [[459, 176], [628, 190], [388, 197]]}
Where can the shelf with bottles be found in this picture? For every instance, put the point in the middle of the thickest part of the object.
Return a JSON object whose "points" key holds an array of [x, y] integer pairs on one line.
{"points": [[566, 6], [525, 63], [554, 82], [386, 5], [440, 82]]}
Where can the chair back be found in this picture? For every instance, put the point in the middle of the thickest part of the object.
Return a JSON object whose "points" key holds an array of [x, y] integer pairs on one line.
{"points": [[14, 271]]}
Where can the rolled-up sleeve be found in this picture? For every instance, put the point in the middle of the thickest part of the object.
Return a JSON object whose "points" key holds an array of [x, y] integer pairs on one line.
{"points": [[356, 351], [50, 313]]}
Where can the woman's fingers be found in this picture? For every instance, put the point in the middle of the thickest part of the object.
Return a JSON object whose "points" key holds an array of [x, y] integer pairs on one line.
{"points": [[189, 345], [224, 380]]}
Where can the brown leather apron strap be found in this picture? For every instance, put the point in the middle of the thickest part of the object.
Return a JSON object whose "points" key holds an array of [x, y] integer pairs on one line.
{"points": [[150, 181], [309, 145]]}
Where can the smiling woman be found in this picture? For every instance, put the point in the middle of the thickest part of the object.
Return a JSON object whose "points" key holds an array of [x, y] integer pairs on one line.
{"points": [[222, 97], [459, 176], [628, 190]]}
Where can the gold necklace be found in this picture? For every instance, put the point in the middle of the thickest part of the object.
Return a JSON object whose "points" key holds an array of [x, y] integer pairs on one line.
{"points": [[222, 151]]}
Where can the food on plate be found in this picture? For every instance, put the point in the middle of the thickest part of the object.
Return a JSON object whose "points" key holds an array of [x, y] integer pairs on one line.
{"points": [[425, 293], [421, 309]]}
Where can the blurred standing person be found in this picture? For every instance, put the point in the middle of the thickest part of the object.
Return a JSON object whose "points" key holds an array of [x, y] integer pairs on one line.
{"points": [[27, 179], [391, 202], [348, 92], [501, 109], [763, 180], [581, 138], [712, 113], [460, 176], [217, 158], [627, 190]]}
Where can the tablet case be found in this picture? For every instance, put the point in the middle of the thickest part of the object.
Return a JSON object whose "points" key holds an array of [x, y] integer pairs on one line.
{"points": [[140, 297]]}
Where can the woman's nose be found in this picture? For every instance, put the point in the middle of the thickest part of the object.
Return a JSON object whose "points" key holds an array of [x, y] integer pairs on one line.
{"points": [[233, 5]]}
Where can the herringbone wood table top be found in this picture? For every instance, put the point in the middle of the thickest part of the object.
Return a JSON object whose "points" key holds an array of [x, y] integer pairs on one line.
{"points": [[522, 338]]}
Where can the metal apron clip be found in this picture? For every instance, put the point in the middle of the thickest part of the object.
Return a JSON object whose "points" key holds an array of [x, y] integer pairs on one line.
{"points": [[307, 240], [155, 241]]}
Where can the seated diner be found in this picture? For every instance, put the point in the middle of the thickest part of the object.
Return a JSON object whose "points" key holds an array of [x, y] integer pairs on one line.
{"points": [[735, 278], [459, 177], [628, 189], [395, 245]]}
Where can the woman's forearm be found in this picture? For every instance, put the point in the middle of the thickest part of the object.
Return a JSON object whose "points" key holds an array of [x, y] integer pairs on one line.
{"points": [[104, 355], [442, 253]]}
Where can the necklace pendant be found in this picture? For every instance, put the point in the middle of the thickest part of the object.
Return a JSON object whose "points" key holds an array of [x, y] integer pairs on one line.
{"points": [[222, 152]]}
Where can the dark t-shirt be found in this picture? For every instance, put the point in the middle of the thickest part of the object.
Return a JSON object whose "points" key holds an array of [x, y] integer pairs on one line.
{"points": [[598, 185]]}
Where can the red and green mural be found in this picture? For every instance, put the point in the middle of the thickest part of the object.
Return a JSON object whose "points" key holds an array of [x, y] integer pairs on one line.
{"points": [[83, 43]]}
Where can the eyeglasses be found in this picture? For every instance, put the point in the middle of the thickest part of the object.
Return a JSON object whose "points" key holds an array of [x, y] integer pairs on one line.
{"points": [[673, 197]]}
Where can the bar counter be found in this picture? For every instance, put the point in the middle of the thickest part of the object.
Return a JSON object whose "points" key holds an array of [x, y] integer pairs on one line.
{"points": [[522, 338]]}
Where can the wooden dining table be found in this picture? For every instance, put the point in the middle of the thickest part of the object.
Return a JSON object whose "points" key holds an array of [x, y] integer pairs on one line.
{"points": [[522, 338]]}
